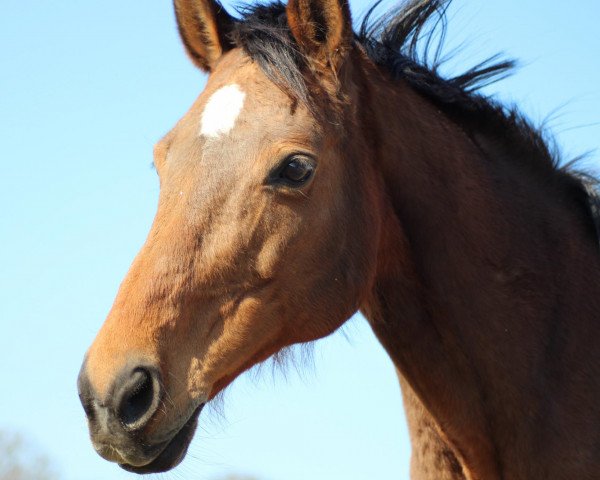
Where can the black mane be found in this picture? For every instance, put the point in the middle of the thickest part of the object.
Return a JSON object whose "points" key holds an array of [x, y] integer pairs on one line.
{"points": [[401, 43]]}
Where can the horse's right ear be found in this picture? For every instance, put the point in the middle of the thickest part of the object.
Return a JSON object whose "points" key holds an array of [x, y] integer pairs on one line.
{"points": [[204, 26]]}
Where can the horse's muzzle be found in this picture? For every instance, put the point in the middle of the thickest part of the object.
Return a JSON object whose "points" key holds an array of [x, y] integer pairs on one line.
{"points": [[117, 421], [173, 453]]}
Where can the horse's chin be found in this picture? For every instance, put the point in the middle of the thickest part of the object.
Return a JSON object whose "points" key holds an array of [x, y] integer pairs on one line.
{"points": [[173, 452]]}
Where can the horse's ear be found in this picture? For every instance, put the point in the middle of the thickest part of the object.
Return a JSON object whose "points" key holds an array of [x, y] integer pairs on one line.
{"points": [[204, 26], [322, 28]]}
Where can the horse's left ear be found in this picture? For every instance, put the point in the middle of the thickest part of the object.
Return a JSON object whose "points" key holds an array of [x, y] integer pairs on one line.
{"points": [[322, 28]]}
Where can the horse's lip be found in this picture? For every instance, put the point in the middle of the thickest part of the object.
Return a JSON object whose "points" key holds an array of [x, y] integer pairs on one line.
{"points": [[173, 451]]}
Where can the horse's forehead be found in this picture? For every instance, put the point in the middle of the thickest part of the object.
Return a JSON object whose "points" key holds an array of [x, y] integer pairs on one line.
{"points": [[239, 91], [221, 110], [241, 114]]}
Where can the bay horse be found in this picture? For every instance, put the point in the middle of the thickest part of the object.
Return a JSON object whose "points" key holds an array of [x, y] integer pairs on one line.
{"points": [[324, 171]]}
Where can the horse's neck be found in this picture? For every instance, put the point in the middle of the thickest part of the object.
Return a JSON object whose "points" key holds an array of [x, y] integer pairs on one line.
{"points": [[432, 457], [486, 300]]}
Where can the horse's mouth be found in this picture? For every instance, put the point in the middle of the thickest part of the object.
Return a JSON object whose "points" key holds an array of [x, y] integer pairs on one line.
{"points": [[174, 450]]}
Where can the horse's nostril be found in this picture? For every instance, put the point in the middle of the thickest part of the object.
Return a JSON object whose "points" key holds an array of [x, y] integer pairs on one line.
{"points": [[137, 398]]}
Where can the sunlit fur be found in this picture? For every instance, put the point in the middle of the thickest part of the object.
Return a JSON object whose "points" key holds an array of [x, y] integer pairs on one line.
{"points": [[439, 214]]}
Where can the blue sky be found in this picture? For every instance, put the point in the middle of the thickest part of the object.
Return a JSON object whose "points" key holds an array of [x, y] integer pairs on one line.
{"points": [[86, 90]]}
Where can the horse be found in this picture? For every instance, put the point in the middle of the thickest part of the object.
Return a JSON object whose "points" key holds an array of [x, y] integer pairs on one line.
{"points": [[324, 171]]}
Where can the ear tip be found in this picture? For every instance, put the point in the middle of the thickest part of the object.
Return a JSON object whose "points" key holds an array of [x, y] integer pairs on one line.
{"points": [[204, 27], [318, 24]]}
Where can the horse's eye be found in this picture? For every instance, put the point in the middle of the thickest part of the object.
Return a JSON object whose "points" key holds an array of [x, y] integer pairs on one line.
{"points": [[297, 170]]}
